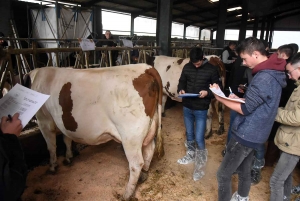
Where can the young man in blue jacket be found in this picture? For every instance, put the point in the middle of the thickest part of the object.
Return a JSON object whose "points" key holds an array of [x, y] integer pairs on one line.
{"points": [[195, 78], [255, 117]]}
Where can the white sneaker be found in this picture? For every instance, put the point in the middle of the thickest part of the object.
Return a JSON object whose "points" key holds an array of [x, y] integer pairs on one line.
{"points": [[237, 197], [188, 158]]}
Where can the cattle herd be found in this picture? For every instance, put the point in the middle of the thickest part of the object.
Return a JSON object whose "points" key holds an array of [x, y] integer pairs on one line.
{"points": [[123, 103]]}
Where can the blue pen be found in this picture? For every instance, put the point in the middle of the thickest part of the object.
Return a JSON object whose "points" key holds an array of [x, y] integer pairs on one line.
{"points": [[230, 90]]}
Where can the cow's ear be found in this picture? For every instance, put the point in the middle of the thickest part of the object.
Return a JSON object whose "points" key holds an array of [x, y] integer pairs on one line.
{"points": [[150, 60]]}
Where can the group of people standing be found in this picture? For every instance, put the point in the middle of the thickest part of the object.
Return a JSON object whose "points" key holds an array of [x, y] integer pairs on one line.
{"points": [[264, 91]]}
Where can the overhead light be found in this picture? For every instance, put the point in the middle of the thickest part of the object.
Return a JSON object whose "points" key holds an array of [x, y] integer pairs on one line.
{"points": [[213, 1], [235, 8], [240, 15], [250, 19]]}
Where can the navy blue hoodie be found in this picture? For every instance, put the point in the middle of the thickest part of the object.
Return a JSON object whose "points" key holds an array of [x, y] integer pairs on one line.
{"points": [[261, 102]]}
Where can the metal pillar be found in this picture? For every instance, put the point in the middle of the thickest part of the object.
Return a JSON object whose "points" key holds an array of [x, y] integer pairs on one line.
{"points": [[221, 23], [211, 36], [132, 24], [255, 27], [200, 33], [270, 39], [184, 31], [97, 21], [243, 26], [165, 26], [268, 28], [262, 29]]}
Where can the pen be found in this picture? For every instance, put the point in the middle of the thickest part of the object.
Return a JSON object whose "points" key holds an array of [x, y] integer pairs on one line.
{"points": [[9, 117], [230, 90]]}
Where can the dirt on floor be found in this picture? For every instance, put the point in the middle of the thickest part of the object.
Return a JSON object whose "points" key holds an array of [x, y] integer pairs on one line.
{"points": [[101, 172]]}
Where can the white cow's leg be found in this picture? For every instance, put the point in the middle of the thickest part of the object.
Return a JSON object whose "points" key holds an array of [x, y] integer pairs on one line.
{"points": [[164, 100], [136, 162], [47, 127], [208, 131], [69, 153], [148, 152]]}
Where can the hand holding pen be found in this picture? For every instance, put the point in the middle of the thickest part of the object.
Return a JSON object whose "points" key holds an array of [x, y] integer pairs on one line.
{"points": [[232, 95], [11, 124]]}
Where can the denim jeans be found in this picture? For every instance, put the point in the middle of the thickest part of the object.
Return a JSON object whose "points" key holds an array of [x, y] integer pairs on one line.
{"points": [[232, 117], [281, 179], [259, 152], [238, 158], [195, 125]]}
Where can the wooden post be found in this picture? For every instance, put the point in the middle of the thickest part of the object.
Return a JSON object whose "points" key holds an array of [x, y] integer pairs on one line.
{"points": [[109, 56], [49, 63], [20, 69], [87, 62], [56, 59]]}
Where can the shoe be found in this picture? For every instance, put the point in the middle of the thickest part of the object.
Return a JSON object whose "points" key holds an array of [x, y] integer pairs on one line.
{"points": [[190, 153], [237, 197], [255, 176], [200, 163], [188, 158], [296, 190]]}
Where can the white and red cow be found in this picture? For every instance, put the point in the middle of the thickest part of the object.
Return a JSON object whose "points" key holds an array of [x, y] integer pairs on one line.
{"points": [[93, 106], [170, 69]]}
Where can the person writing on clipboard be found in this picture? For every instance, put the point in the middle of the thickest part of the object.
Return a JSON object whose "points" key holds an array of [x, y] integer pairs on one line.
{"points": [[252, 125], [195, 78]]}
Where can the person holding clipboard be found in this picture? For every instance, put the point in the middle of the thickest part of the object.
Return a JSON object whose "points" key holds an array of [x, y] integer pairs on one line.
{"points": [[253, 123], [193, 86]]}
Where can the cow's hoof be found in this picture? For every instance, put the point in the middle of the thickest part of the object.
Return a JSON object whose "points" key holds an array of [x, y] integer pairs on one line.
{"points": [[51, 170], [208, 135], [143, 177], [67, 162], [163, 114]]}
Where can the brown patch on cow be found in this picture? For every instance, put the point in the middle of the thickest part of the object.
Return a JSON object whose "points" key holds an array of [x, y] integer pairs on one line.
{"points": [[66, 103], [149, 87], [168, 67], [180, 61], [167, 90]]}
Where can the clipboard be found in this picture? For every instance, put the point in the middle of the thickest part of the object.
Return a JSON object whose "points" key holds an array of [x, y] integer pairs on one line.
{"points": [[188, 95]]}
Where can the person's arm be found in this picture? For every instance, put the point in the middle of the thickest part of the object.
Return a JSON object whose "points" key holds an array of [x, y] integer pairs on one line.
{"points": [[215, 78], [182, 82], [289, 117], [236, 106], [225, 56], [13, 170]]}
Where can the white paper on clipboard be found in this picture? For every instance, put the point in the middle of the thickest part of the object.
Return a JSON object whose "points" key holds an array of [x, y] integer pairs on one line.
{"points": [[220, 93], [86, 44], [22, 100], [127, 43]]}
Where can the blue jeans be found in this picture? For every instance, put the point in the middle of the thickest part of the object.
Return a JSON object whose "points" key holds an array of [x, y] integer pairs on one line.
{"points": [[281, 179], [238, 158], [195, 125], [232, 117]]}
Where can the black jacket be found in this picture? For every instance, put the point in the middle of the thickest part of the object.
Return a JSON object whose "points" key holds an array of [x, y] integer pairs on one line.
{"points": [[13, 170], [193, 80]]}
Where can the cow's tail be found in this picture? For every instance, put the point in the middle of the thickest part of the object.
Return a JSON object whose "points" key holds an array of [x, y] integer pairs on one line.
{"points": [[159, 147]]}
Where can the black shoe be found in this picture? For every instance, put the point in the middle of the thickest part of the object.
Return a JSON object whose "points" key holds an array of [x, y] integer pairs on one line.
{"points": [[255, 176]]}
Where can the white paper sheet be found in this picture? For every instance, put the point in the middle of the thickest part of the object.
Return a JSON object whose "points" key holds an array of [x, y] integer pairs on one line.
{"points": [[127, 43], [22, 100], [86, 44], [220, 93]]}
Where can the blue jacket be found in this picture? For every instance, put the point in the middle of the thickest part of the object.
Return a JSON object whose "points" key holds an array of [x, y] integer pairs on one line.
{"points": [[261, 102]]}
